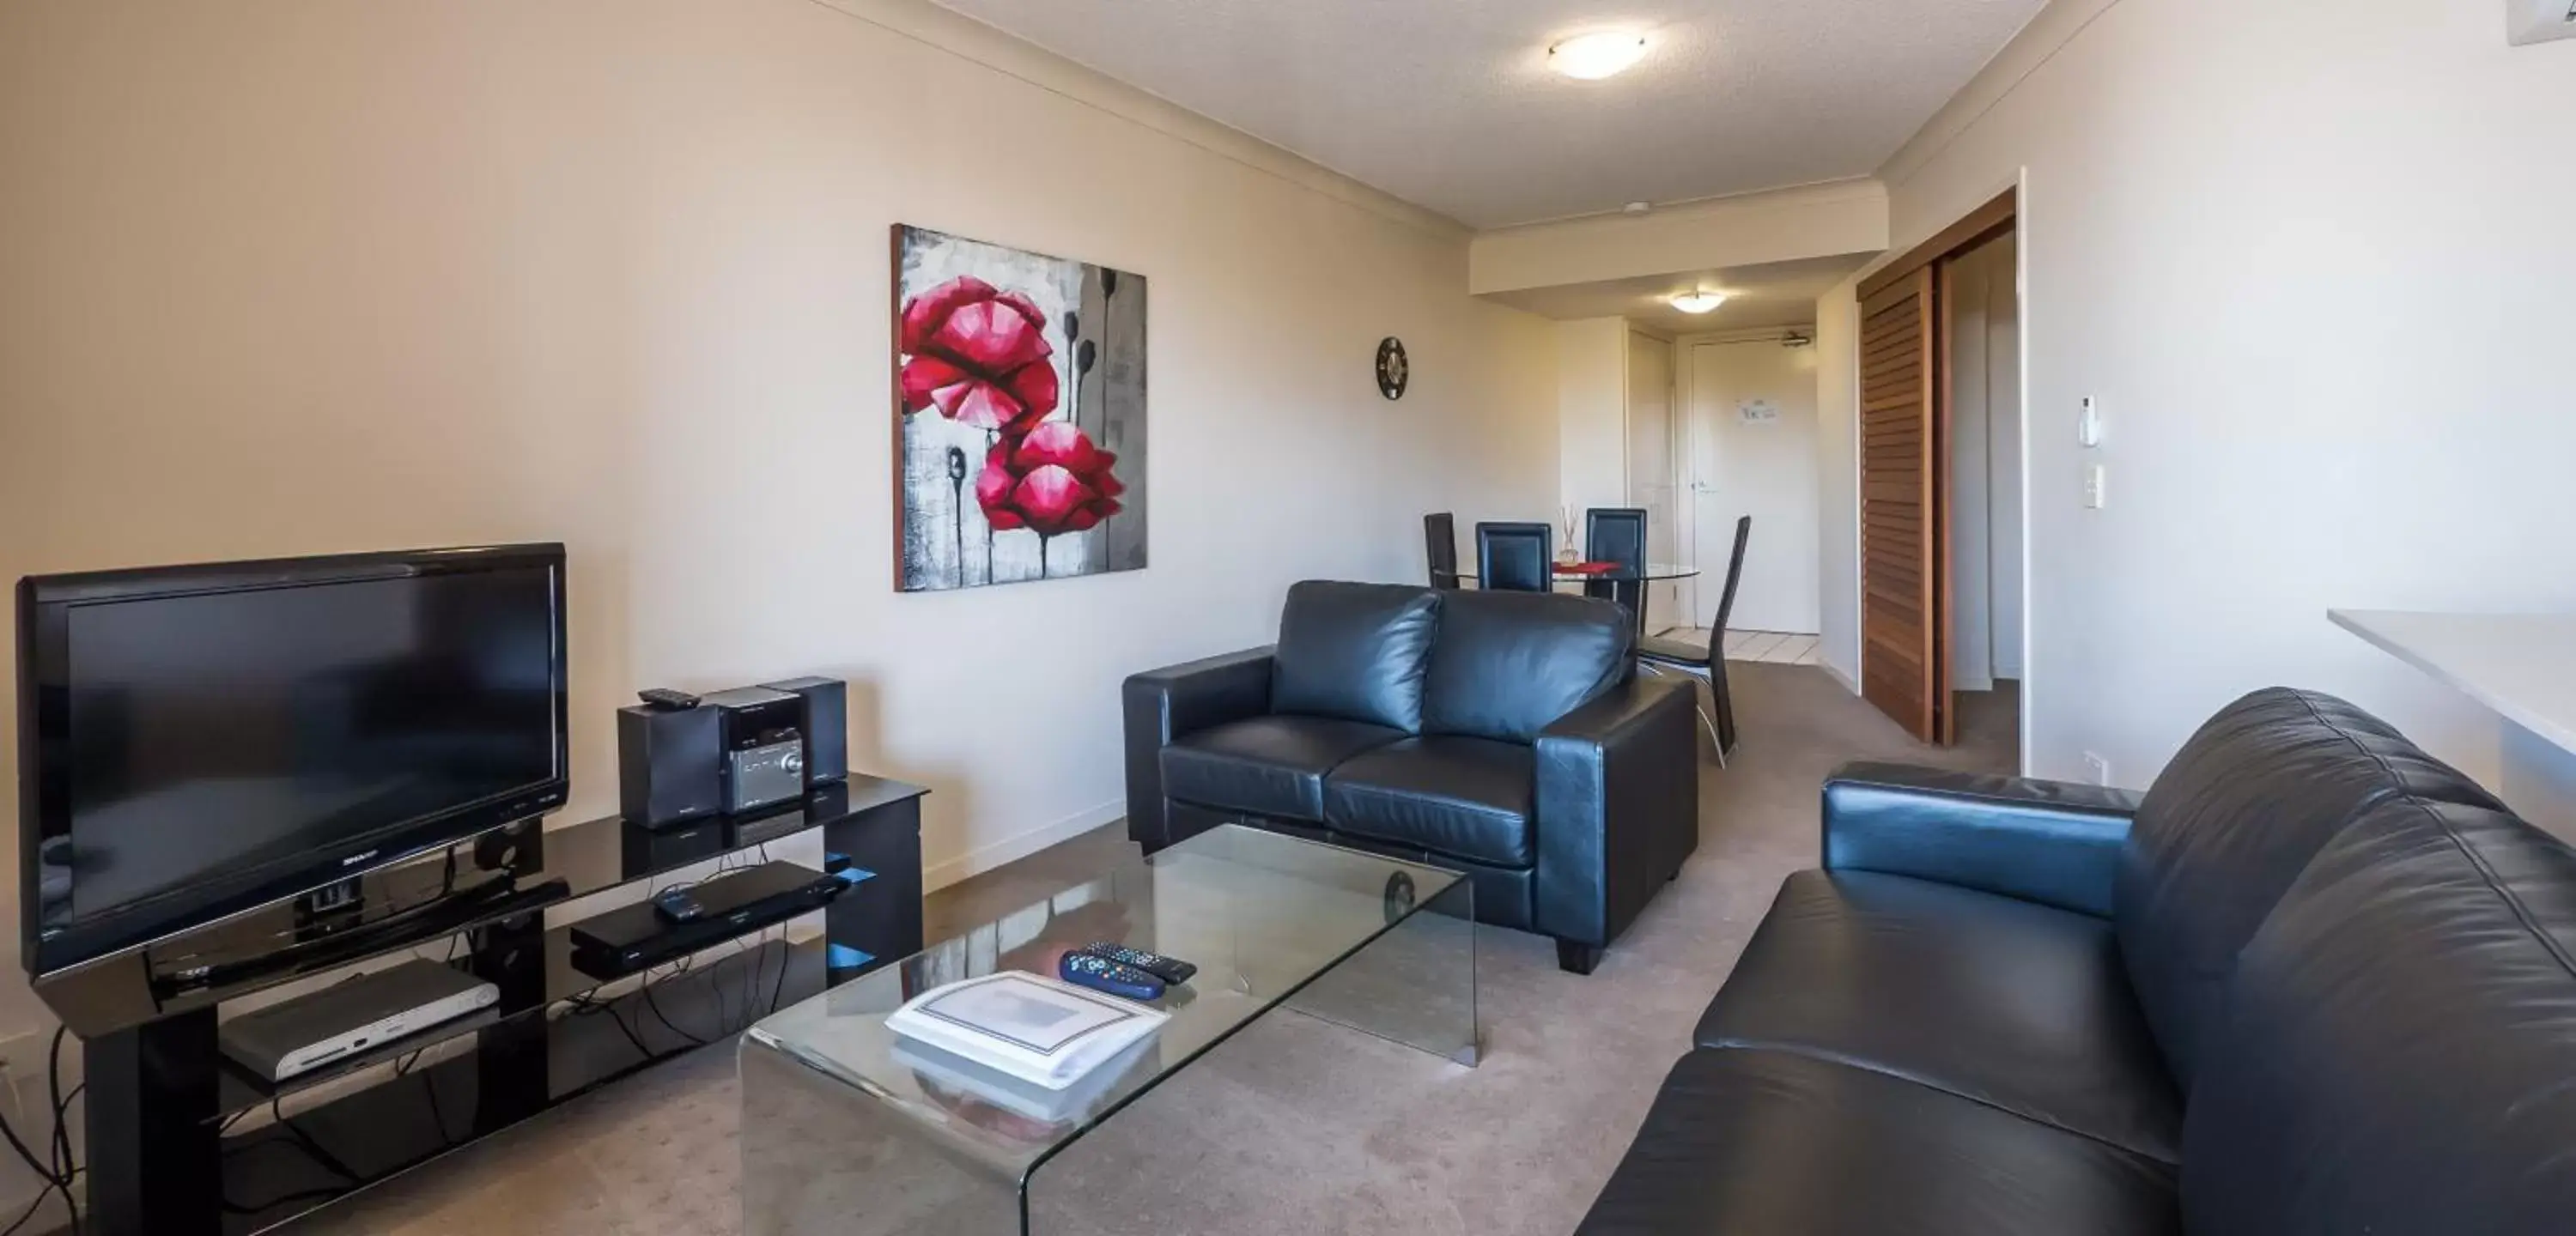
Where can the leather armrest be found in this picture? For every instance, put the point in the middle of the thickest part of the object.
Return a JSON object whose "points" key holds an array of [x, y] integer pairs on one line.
{"points": [[1617, 807], [1165, 704], [2053, 842]]}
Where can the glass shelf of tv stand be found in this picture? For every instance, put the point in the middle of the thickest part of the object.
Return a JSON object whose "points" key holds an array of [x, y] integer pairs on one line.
{"points": [[378, 1127], [576, 860], [751, 973]]}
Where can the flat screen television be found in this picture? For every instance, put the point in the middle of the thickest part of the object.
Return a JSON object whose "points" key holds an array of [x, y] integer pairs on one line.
{"points": [[199, 741]]}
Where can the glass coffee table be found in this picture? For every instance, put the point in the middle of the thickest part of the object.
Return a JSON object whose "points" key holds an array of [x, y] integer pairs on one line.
{"points": [[848, 1130]]}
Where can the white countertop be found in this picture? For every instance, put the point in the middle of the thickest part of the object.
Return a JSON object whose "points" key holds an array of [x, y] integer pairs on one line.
{"points": [[2521, 665]]}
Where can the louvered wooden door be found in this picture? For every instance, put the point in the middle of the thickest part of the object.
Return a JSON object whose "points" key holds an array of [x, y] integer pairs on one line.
{"points": [[1901, 521]]}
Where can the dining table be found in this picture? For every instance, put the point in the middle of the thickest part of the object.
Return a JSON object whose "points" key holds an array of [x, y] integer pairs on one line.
{"points": [[1655, 573], [1628, 586]]}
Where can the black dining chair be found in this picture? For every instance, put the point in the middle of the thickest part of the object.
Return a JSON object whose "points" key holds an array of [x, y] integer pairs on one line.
{"points": [[1440, 548], [1515, 557], [1618, 534], [1660, 654]]}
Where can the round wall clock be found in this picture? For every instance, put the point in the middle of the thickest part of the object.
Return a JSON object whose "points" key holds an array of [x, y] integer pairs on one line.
{"points": [[1393, 371]]}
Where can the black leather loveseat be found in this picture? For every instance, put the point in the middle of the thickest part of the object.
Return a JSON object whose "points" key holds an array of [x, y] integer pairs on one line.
{"points": [[2315, 982], [1501, 734]]}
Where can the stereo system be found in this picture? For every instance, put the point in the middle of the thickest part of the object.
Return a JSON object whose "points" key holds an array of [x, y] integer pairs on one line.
{"points": [[826, 726], [682, 758]]}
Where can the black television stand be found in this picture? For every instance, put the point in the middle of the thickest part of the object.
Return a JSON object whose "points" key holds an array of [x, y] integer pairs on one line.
{"points": [[181, 1142]]}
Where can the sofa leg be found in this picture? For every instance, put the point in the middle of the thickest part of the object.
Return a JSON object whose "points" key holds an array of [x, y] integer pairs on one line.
{"points": [[1576, 958]]}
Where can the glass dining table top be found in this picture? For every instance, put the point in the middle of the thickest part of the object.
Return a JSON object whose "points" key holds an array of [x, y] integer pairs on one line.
{"points": [[1655, 572]]}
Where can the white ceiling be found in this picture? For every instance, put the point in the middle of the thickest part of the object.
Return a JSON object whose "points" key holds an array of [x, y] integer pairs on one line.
{"points": [[1449, 103], [1774, 294]]}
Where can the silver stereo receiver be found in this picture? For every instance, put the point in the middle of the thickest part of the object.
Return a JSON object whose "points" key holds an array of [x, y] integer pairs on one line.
{"points": [[757, 777], [761, 732]]}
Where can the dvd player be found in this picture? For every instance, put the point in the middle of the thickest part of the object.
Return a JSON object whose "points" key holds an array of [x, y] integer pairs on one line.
{"points": [[631, 938], [297, 1036]]}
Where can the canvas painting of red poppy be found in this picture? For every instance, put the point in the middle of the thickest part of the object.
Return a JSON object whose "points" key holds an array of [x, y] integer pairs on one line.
{"points": [[1019, 415]]}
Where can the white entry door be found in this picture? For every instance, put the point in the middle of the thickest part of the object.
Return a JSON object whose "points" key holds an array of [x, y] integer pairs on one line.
{"points": [[1753, 448], [1651, 475]]}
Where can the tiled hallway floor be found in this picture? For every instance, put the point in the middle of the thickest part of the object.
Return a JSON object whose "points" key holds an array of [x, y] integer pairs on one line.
{"points": [[1774, 647]]}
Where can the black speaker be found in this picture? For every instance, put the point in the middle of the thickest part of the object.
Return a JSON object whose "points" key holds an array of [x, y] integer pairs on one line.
{"points": [[827, 726], [668, 764]]}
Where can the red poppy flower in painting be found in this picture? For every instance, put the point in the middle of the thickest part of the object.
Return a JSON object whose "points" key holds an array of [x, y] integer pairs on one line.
{"points": [[1051, 482], [979, 355]]}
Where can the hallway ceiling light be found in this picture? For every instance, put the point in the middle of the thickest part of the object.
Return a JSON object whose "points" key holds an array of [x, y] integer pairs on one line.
{"points": [[1591, 57], [1698, 302]]}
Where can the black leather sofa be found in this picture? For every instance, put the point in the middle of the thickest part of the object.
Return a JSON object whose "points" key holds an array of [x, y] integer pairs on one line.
{"points": [[1502, 734], [2314, 982]]}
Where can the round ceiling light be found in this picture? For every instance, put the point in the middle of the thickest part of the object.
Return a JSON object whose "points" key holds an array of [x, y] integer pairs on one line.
{"points": [[1592, 57], [1698, 302]]}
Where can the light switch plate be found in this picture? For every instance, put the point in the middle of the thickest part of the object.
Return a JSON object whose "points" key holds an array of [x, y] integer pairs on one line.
{"points": [[2099, 767], [2096, 479], [2539, 21]]}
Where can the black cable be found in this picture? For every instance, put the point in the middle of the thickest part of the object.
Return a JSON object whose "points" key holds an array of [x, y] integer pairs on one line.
{"points": [[659, 1016], [300, 1195], [584, 1006], [429, 1085], [62, 1147], [42, 1197], [304, 1195], [786, 954], [751, 987], [61, 1103], [43, 1170], [71, 1170], [321, 1154], [54, 1091]]}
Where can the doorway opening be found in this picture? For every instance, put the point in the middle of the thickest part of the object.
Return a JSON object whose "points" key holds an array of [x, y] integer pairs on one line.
{"points": [[1941, 507], [1984, 355]]}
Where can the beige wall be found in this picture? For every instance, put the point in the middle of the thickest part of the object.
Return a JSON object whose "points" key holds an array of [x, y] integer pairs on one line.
{"points": [[290, 277], [1838, 482], [1592, 416], [2313, 260]]}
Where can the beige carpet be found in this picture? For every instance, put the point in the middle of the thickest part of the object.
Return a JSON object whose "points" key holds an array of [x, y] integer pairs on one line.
{"points": [[1295, 1126]]}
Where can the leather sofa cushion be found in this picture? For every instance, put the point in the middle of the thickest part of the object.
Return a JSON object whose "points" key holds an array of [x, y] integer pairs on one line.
{"points": [[1463, 797], [1506, 665], [1354, 651], [2400, 1051], [1266, 766], [2013, 1004], [1763, 1143], [2229, 824]]}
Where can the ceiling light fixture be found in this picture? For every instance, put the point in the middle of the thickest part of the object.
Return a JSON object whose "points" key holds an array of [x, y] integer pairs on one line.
{"points": [[1698, 302], [1591, 57]]}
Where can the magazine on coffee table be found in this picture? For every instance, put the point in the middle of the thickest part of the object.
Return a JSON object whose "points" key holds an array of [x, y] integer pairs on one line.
{"points": [[1037, 1029]]}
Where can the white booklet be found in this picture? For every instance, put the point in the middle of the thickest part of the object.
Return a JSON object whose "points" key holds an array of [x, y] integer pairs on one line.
{"points": [[1037, 1029], [1000, 1103]]}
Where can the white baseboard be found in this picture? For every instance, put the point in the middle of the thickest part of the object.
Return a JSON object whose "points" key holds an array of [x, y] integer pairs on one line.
{"points": [[1836, 673], [941, 874]]}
